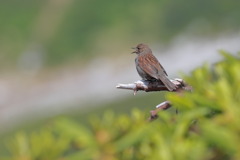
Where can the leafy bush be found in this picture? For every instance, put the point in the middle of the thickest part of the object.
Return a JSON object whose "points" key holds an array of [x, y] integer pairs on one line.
{"points": [[207, 127]]}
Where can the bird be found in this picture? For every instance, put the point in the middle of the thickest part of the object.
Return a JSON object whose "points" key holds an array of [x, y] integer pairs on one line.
{"points": [[149, 68]]}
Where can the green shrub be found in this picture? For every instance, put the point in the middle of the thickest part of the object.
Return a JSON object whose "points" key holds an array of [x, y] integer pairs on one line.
{"points": [[206, 127]]}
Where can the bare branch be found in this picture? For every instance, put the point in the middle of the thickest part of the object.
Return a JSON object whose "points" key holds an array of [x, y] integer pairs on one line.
{"points": [[149, 86], [162, 106]]}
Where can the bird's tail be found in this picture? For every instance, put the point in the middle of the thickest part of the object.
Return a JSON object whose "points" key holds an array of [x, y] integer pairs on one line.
{"points": [[170, 86]]}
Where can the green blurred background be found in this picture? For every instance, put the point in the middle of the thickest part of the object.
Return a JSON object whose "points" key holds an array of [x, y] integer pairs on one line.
{"points": [[76, 31], [65, 57]]}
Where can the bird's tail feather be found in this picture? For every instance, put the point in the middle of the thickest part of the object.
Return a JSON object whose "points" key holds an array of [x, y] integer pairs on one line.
{"points": [[170, 86]]}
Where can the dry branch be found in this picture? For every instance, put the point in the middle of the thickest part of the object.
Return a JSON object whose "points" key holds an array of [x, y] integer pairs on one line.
{"points": [[162, 106], [148, 86]]}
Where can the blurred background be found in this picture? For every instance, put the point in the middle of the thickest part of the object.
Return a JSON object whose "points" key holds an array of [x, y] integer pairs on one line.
{"points": [[65, 57]]}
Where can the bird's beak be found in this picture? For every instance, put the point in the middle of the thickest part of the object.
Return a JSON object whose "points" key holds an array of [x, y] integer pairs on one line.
{"points": [[135, 50]]}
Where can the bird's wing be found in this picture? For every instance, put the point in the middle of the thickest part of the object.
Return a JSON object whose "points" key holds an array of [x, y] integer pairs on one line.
{"points": [[163, 69], [151, 66]]}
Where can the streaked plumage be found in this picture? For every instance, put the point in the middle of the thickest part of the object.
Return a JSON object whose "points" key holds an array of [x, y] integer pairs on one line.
{"points": [[149, 68]]}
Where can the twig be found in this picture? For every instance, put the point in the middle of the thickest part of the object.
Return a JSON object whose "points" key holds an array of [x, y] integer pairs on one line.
{"points": [[148, 86], [162, 106]]}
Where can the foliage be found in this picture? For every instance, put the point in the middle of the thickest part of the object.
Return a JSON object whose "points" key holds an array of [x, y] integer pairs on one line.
{"points": [[206, 127]]}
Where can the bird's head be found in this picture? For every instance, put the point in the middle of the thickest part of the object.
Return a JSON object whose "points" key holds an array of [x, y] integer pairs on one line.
{"points": [[141, 48]]}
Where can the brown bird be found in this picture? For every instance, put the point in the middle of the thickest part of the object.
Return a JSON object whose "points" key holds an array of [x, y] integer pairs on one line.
{"points": [[149, 68]]}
